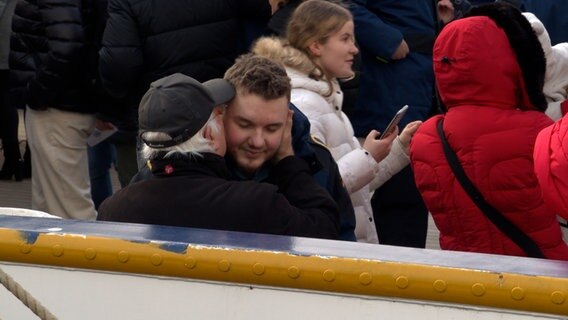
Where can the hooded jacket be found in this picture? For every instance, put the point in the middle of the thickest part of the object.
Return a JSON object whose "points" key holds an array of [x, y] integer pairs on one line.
{"points": [[555, 82], [490, 71], [322, 105], [551, 165]]}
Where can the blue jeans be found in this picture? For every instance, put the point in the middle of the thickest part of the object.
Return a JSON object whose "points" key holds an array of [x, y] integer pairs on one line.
{"points": [[101, 157]]}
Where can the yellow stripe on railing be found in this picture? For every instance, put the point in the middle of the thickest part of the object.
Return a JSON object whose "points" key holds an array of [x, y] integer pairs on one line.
{"points": [[282, 269]]}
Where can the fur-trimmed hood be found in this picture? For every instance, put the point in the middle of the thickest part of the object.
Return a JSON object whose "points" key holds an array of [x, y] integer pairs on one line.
{"points": [[279, 49], [491, 58]]}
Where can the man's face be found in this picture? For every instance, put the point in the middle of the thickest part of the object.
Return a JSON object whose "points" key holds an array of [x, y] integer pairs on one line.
{"points": [[254, 129]]}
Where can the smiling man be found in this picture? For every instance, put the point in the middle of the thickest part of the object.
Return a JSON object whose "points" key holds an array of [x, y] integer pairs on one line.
{"points": [[254, 126], [255, 118]]}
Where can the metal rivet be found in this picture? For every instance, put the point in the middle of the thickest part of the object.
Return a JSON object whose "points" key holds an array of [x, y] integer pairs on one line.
{"points": [[365, 278], [224, 265], [478, 289], [293, 272], [440, 286], [258, 269], [190, 262], [558, 297], [156, 259], [123, 256], [402, 282], [57, 250], [518, 293], [329, 275], [90, 253], [25, 248]]}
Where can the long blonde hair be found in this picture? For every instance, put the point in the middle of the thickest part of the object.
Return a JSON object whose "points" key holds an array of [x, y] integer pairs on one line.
{"points": [[315, 21]]}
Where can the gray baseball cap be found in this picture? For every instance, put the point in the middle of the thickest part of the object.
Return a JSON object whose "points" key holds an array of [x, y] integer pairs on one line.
{"points": [[180, 106]]}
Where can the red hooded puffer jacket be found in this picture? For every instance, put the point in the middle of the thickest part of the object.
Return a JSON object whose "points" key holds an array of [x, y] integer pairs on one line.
{"points": [[551, 165], [492, 129]]}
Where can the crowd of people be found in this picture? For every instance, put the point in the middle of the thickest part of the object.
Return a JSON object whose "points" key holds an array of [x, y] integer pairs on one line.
{"points": [[265, 116]]}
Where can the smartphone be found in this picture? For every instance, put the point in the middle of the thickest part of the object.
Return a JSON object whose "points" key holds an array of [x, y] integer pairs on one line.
{"points": [[394, 122]]}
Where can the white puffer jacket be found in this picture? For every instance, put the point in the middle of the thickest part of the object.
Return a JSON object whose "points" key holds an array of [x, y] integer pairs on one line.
{"points": [[556, 77], [360, 172]]}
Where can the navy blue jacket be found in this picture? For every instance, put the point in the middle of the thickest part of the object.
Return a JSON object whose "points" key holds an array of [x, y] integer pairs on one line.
{"points": [[552, 13], [324, 170], [387, 85]]}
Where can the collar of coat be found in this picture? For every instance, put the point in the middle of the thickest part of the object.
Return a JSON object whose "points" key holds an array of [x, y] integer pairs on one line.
{"points": [[180, 164]]}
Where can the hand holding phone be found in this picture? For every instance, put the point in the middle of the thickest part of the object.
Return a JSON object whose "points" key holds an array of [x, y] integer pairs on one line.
{"points": [[394, 122], [378, 148]]}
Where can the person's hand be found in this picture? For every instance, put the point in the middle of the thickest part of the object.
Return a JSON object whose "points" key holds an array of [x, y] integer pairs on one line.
{"points": [[276, 4], [379, 148], [401, 52], [104, 125], [285, 149], [445, 10], [408, 132]]}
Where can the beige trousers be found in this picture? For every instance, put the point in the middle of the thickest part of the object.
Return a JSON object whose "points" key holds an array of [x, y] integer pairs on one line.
{"points": [[60, 171]]}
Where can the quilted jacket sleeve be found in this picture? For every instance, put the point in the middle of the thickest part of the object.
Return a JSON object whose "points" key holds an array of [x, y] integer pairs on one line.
{"points": [[369, 28], [356, 166], [395, 161], [65, 37], [551, 165], [121, 57]]}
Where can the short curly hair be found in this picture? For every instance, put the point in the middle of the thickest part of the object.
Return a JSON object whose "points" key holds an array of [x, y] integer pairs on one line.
{"points": [[259, 75]]}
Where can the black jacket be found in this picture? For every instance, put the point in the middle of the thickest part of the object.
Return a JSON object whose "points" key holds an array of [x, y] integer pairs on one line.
{"points": [[197, 193], [54, 54], [146, 40]]}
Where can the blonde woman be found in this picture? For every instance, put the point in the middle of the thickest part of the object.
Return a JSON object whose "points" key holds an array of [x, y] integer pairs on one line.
{"points": [[318, 50]]}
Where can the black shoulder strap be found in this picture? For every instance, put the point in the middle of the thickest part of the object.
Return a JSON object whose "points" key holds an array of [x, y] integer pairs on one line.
{"points": [[500, 221]]}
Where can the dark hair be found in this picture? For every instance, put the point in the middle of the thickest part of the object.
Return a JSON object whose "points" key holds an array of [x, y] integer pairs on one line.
{"points": [[259, 75]]}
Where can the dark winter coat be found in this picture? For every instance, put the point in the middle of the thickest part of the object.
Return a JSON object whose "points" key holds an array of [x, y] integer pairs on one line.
{"points": [[552, 13], [149, 39], [54, 54], [198, 193], [386, 85]]}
